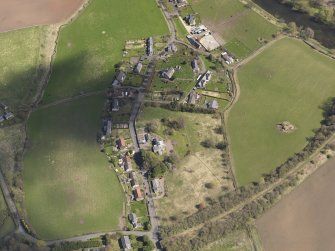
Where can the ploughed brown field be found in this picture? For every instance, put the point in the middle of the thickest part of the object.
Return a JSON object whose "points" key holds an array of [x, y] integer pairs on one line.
{"points": [[304, 220], [15, 14]]}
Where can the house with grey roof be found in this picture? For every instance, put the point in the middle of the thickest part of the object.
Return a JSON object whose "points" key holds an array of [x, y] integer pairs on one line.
{"points": [[212, 104], [150, 46], [190, 20], [171, 48], [121, 77], [1, 118], [138, 68], [125, 242], [192, 98], [8, 115], [168, 74], [115, 105], [195, 65], [227, 58], [133, 219]]}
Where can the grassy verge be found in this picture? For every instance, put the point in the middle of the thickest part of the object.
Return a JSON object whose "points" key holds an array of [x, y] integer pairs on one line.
{"points": [[69, 188], [277, 87]]}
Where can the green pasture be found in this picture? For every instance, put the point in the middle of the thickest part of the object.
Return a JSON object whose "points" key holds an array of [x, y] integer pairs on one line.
{"points": [[19, 60], [90, 46], [69, 188], [287, 82]]}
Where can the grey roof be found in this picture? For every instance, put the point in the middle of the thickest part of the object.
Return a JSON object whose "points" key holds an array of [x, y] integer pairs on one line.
{"points": [[133, 218], [155, 185], [1, 118], [192, 98], [169, 73], [115, 105], [8, 115], [121, 76], [138, 68], [212, 104], [125, 242], [194, 65]]}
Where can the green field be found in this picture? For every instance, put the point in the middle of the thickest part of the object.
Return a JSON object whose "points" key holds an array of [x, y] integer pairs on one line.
{"points": [[89, 47], [19, 60], [6, 223], [69, 188], [239, 26], [287, 82]]}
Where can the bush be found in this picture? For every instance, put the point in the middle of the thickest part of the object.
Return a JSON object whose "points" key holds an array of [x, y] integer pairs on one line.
{"points": [[208, 143]]}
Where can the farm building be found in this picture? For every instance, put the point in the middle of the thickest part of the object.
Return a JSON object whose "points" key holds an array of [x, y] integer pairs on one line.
{"points": [[115, 105], [138, 194], [209, 43], [227, 58], [133, 219], [195, 65], [127, 164], [150, 46], [193, 42], [212, 104], [138, 68], [190, 20], [125, 242], [168, 74]]}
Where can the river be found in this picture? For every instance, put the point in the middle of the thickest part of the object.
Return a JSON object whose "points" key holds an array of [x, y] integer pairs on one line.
{"points": [[323, 33]]}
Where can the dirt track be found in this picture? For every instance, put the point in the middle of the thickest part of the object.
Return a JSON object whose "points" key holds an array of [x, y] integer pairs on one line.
{"points": [[15, 14], [304, 220]]}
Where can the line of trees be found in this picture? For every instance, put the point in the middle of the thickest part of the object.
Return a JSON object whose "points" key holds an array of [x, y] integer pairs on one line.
{"points": [[177, 107], [315, 8]]}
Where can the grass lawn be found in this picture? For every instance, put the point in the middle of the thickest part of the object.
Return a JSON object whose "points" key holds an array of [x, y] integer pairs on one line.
{"points": [[69, 189], [239, 26], [19, 59], [89, 47], [288, 81], [6, 223]]}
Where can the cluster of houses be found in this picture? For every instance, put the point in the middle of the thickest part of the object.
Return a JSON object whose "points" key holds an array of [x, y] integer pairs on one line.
{"points": [[6, 114]]}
